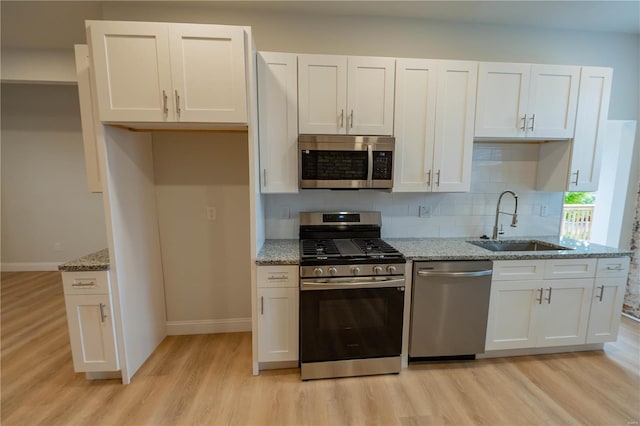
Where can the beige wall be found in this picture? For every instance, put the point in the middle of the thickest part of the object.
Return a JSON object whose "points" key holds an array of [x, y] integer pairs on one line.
{"points": [[45, 200], [204, 261]]}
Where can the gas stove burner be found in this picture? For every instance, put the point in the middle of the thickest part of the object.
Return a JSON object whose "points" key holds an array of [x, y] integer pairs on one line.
{"points": [[375, 247], [322, 248]]}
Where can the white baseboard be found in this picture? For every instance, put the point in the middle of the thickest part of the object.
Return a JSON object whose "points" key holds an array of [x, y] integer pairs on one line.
{"points": [[231, 325], [30, 266]]}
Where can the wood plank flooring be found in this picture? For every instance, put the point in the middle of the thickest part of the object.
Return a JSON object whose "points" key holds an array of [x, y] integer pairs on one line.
{"points": [[206, 380]]}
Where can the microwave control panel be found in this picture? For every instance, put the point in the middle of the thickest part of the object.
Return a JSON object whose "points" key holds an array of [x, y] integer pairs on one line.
{"points": [[382, 165]]}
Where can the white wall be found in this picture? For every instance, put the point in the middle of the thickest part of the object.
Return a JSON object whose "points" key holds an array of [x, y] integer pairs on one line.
{"points": [[204, 261], [45, 200], [496, 167]]}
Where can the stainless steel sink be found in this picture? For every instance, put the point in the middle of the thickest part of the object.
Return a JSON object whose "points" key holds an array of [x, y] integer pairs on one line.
{"points": [[518, 245]]}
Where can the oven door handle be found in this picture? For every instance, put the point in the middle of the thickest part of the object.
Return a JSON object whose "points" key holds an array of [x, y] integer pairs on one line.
{"points": [[349, 283]]}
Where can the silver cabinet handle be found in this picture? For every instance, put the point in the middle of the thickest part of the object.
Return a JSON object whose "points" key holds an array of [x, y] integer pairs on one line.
{"points": [[264, 178], [577, 173], [342, 118], [177, 102], [351, 120], [524, 123], [429, 178], [103, 316], [614, 268], [83, 284], [438, 178], [533, 122], [370, 166], [539, 299], [278, 277], [601, 292], [261, 305], [165, 108], [428, 273], [548, 299]]}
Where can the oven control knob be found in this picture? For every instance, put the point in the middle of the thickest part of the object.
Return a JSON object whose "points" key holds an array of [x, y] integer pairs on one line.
{"points": [[318, 271], [377, 270], [355, 270], [333, 271], [391, 269]]}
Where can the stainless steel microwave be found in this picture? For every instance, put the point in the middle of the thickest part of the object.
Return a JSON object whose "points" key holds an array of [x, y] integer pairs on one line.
{"points": [[345, 162]]}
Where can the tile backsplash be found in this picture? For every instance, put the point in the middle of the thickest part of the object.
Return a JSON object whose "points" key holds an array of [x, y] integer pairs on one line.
{"points": [[496, 167]]}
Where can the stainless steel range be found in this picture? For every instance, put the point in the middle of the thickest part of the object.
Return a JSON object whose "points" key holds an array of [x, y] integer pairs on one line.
{"points": [[351, 296]]}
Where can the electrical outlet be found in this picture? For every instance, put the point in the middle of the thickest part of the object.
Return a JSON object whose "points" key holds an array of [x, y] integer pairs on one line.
{"points": [[211, 213], [424, 211], [57, 247], [544, 210]]}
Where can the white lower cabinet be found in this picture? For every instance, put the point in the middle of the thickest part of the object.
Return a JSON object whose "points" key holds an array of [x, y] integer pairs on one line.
{"points": [[90, 320], [607, 299], [579, 302], [277, 313]]}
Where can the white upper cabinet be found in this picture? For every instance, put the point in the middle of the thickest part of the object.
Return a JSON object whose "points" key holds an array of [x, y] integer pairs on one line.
{"points": [[345, 95], [278, 121], [434, 115], [158, 72], [522, 100], [591, 118]]}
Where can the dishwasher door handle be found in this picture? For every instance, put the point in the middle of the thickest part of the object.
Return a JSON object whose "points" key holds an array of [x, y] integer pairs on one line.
{"points": [[431, 273]]}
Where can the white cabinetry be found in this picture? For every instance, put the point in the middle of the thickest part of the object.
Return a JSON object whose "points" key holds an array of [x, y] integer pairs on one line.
{"points": [[278, 121], [533, 312], [608, 296], [87, 118], [277, 313], [90, 321], [591, 119], [345, 95], [523, 100], [158, 72], [434, 115]]}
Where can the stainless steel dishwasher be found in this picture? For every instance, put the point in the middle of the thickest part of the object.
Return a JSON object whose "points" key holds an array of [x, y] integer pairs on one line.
{"points": [[449, 308]]}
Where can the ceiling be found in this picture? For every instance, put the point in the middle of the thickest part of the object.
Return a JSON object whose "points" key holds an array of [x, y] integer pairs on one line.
{"points": [[57, 24]]}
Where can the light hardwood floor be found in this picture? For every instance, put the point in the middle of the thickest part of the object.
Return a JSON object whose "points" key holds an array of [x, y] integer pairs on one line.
{"points": [[206, 379]]}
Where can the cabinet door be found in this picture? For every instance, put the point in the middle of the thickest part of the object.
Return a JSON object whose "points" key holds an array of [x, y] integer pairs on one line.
{"points": [[512, 314], [91, 332], [591, 119], [455, 114], [208, 72], [370, 88], [277, 324], [278, 122], [606, 308], [132, 71], [502, 99], [87, 118], [414, 128], [322, 94], [553, 98], [565, 312]]}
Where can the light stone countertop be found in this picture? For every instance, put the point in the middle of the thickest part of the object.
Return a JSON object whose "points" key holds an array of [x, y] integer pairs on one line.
{"points": [[98, 261], [286, 252]]}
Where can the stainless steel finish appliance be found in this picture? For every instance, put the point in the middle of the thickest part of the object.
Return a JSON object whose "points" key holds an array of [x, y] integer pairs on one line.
{"points": [[449, 308], [345, 162], [351, 296], [514, 215]]}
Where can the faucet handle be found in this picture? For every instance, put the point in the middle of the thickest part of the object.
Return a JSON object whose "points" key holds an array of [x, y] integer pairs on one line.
{"points": [[501, 231]]}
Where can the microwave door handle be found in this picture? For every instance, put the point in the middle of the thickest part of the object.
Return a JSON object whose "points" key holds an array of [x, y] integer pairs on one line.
{"points": [[370, 167]]}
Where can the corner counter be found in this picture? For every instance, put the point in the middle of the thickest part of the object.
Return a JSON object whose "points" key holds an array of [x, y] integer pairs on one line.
{"points": [[98, 261]]}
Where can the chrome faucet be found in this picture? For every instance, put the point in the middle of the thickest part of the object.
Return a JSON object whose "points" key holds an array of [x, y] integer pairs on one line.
{"points": [[514, 215]]}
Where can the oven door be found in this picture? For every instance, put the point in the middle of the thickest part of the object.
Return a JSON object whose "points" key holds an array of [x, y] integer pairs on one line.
{"points": [[351, 318], [353, 162]]}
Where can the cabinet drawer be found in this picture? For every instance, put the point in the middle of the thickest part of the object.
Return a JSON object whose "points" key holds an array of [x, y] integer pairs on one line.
{"points": [[614, 267], [570, 268], [89, 282], [278, 276], [518, 270]]}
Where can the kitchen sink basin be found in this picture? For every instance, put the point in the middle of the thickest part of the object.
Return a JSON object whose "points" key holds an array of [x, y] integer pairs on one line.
{"points": [[518, 245]]}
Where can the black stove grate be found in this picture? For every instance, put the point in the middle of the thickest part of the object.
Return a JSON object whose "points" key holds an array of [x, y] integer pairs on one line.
{"points": [[319, 248], [374, 246]]}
